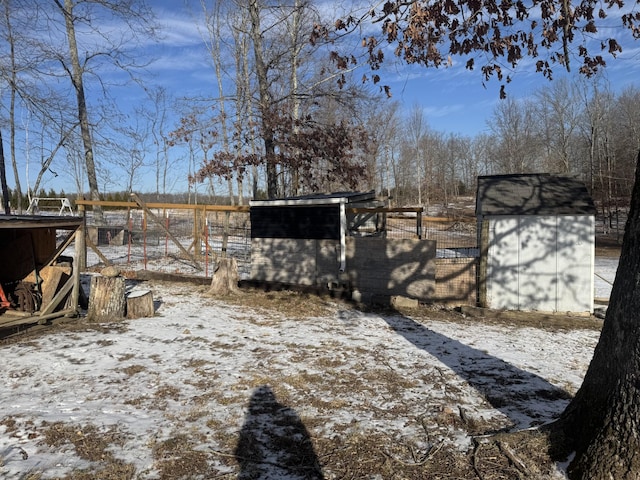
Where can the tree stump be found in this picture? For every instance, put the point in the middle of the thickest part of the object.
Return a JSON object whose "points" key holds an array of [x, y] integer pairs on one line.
{"points": [[106, 299], [225, 277], [140, 304]]}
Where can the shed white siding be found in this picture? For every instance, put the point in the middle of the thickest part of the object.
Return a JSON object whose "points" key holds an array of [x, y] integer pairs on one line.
{"points": [[543, 263]]}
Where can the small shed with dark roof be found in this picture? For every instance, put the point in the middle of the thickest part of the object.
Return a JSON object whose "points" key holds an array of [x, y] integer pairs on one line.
{"points": [[537, 243], [338, 240]]}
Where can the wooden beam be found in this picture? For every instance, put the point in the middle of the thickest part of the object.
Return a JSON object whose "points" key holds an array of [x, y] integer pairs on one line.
{"points": [[93, 246], [59, 297], [170, 206], [65, 243], [385, 210], [12, 320]]}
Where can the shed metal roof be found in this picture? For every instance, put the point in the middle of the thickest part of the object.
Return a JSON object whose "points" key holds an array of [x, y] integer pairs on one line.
{"points": [[39, 221], [532, 194], [317, 199]]}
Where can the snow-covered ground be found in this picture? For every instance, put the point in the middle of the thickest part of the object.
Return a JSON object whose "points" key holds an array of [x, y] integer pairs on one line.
{"points": [[605, 274], [193, 371]]}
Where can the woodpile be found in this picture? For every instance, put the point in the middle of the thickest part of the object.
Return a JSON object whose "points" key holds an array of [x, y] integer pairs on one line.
{"points": [[108, 300]]}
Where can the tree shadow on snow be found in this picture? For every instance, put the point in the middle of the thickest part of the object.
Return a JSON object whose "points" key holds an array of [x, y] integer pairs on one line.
{"points": [[273, 442], [523, 397]]}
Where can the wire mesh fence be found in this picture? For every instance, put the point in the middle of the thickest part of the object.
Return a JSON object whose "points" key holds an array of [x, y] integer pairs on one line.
{"points": [[178, 239], [188, 240]]}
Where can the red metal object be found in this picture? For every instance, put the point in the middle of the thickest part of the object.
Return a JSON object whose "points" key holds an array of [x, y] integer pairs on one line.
{"points": [[4, 302]]}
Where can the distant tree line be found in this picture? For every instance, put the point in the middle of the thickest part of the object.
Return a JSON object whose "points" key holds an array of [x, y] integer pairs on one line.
{"points": [[582, 129]]}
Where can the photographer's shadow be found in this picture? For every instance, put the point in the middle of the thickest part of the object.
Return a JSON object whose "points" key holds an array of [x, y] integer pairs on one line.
{"points": [[274, 443]]}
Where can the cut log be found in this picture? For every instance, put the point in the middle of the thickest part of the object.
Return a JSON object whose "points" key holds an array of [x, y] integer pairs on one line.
{"points": [[225, 277], [140, 304], [53, 277], [106, 299]]}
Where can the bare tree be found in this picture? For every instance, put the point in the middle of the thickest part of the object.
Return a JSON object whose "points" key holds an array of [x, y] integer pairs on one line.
{"points": [[214, 21], [383, 125], [597, 133], [12, 81], [47, 155], [3, 180], [277, 94], [514, 127], [130, 152], [626, 112], [265, 102], [157, 117], [416, 129], [75, 12], [558, 111]]}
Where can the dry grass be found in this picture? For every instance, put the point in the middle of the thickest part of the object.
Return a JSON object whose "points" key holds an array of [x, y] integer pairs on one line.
{"points": [[492, 457], [93, 445]]}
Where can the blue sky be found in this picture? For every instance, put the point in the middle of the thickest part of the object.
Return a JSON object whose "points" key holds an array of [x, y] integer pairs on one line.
{"points": [[454, 100]]}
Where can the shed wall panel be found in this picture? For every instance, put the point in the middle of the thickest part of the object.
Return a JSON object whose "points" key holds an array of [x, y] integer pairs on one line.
{"points": [[377, 266], [289, 261], [296, 222]]}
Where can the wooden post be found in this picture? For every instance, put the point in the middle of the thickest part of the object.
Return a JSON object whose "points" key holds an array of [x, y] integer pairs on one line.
{"points": [[197, 243], [206, 245], [80, 245], [75, 290], [106, 299], [225, 233], [144, 237]]}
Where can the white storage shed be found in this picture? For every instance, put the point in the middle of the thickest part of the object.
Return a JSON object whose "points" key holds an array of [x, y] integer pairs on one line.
{"points": [[537, 243]]}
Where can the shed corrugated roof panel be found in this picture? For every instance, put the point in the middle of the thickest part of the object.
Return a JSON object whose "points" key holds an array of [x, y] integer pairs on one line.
{"points": [[532, 194]]}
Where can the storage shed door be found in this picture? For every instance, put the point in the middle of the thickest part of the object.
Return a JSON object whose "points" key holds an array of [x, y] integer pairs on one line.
{"points": [[576, 257], [502, 263], [537, 265], [541, 263]]}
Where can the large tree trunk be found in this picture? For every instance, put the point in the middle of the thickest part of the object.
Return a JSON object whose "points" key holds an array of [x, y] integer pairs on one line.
{"points": [[12, 107], [603, 420], [107, 301]]}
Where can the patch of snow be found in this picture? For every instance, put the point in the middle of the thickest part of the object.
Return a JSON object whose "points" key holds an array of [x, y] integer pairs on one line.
{"points": [[114, 379], [605, 274]]}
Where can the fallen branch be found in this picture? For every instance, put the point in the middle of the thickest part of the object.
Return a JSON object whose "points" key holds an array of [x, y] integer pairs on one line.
{"points": [[474, 458], [519, 464], [427, 456]]}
